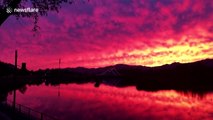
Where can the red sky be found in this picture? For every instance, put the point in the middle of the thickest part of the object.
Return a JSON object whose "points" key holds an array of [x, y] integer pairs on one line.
{"points": [[107, 32]]}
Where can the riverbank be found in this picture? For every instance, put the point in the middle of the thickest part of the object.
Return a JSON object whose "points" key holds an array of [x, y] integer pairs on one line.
{"points": [[4, 116]]}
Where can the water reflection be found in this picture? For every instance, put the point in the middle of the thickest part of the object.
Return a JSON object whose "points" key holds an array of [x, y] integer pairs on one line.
{"points": [[106, 102]]}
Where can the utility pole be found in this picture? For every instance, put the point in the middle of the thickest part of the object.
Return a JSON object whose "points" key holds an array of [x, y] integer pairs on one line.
{"points": [[59, 66], [15, 73]]}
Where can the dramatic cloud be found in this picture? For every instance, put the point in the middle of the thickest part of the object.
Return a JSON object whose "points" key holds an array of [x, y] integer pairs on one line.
{"points": [[101, 33]]}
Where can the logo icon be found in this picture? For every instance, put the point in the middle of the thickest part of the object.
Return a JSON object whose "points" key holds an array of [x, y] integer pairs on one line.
{"points": [[9, 10]]}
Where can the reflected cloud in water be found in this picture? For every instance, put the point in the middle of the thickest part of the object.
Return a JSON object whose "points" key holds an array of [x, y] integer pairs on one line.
{"points": [[106, 102]]}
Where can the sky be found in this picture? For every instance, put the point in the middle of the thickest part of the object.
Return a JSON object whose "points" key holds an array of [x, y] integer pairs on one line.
{"points": [[107, 32]]}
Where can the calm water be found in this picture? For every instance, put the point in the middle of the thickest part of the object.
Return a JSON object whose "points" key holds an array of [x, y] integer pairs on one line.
{"points": [[106, 102]]}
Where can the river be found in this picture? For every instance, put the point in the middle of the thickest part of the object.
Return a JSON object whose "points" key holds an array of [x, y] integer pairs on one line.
{"points": [[86, 102]]}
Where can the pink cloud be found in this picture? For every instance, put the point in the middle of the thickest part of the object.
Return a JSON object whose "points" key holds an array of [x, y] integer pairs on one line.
{"points": [[101, 29]]}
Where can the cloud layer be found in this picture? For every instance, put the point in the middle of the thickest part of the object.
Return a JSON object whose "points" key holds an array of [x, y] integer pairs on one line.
{"points": [[101, 33]]}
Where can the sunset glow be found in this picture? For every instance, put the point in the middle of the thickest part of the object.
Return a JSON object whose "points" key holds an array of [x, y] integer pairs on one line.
{"points": [[107, 32]]}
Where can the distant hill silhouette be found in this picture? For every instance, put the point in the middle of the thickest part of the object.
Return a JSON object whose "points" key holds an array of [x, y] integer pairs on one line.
{"points": [[196, 76]]}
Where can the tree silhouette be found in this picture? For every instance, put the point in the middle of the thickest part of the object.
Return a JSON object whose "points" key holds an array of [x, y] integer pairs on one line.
{"points": [[43, 5]]}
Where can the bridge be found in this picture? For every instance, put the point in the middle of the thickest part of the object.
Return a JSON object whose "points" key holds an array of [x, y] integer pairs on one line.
{"points": [[114, 81]]}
